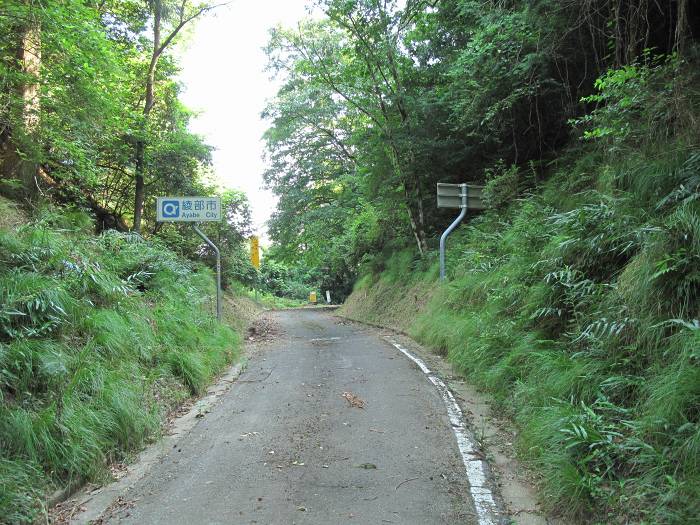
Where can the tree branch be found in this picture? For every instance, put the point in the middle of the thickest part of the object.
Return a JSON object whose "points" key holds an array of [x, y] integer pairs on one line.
{"points": [[184, 21]]}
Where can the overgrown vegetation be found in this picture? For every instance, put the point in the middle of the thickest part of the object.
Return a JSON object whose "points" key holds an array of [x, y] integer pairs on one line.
{"points": [[381, 100], [575, 298], [90, 116], [577, 307], [280, 280], [99, 338]]}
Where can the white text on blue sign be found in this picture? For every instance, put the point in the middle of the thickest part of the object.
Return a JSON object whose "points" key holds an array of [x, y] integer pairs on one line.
{"points": [[188, 209]]}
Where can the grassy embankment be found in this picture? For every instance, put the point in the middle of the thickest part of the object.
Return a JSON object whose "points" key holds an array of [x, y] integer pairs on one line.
{"points": [[100, 337], [577, 307]]}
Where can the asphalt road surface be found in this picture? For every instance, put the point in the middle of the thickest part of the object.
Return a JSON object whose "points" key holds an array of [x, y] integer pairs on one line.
{"points": [[328, 424]]}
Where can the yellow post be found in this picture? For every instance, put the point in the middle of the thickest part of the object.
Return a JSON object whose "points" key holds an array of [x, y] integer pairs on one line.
{"points": [[312, 298], [255, 251]]}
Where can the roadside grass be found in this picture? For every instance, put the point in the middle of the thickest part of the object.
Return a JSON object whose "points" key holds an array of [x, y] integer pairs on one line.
{"points": [[99, 338], [392, 290], [578, 312], [271, 301]]}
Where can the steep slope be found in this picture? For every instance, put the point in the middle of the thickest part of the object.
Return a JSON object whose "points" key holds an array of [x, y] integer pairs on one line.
{"points": [[577, 308], [100, 337]]}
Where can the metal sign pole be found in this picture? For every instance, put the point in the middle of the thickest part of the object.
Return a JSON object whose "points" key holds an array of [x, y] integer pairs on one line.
{"points": [[194, 209], [218, 269], [443, 238]]}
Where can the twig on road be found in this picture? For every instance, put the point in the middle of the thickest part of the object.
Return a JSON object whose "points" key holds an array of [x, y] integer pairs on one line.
{"points": [[404, 481], [257, 380]]}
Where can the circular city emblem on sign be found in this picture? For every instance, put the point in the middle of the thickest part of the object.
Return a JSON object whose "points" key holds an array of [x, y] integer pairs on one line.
{"points": [[171, 209]]}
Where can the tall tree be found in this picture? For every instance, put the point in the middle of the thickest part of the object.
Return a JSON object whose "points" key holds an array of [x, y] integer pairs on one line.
{"points": [[377, 31], [25, 59], [358, 56], [56, 53], [168, 19]]}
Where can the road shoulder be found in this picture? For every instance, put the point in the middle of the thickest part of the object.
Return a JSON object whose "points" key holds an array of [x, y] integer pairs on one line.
{"points": [[494, 434], [93, 501]]}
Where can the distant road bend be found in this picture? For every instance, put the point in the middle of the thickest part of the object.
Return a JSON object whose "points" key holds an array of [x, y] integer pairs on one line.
{"points": [[329, 424]]}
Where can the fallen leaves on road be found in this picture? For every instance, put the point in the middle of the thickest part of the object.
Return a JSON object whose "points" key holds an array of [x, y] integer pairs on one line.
{"points": [[120, 506], [118, 470], [354, 400], [367, 466], [64, 512], [264, 330]]}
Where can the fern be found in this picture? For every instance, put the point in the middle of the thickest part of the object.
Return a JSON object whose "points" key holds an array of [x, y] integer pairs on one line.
{"points": [[688, 189]]}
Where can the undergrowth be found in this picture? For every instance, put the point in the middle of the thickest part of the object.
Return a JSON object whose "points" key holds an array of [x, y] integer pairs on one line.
{"points": [[577, 306], [99, 338]]}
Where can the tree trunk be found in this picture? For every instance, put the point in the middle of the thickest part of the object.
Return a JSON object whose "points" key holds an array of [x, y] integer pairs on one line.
{"points": [[681, 27], [417, 228], [140, 147], [421, 218], [14, 165], [412, 199], [140, 187], [30, 57]]}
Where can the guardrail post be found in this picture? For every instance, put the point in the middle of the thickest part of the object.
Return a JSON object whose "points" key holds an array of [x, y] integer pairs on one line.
{"points": [[464, 193]]}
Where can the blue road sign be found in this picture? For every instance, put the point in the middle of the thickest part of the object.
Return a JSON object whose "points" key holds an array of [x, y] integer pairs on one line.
{"points": [[188, 209]]}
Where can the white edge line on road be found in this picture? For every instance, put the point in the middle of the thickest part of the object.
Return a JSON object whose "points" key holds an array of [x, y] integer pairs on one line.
{"points": [[484, 502]]}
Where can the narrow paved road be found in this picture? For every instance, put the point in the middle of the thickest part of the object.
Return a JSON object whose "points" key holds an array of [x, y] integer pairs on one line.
{"points": [[284, 446]]}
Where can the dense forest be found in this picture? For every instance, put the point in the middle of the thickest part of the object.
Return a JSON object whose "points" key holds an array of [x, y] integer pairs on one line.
{"points": [[382, 100], [574, 298], [90, 117]]}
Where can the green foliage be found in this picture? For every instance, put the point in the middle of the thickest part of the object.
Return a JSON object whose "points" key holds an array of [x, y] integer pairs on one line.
{"points": [[502, 186], [78, 63], [87, 125], [632, 102], [98, 336], [280, 281], [579, 314], [21, 491], [381, 101]]}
